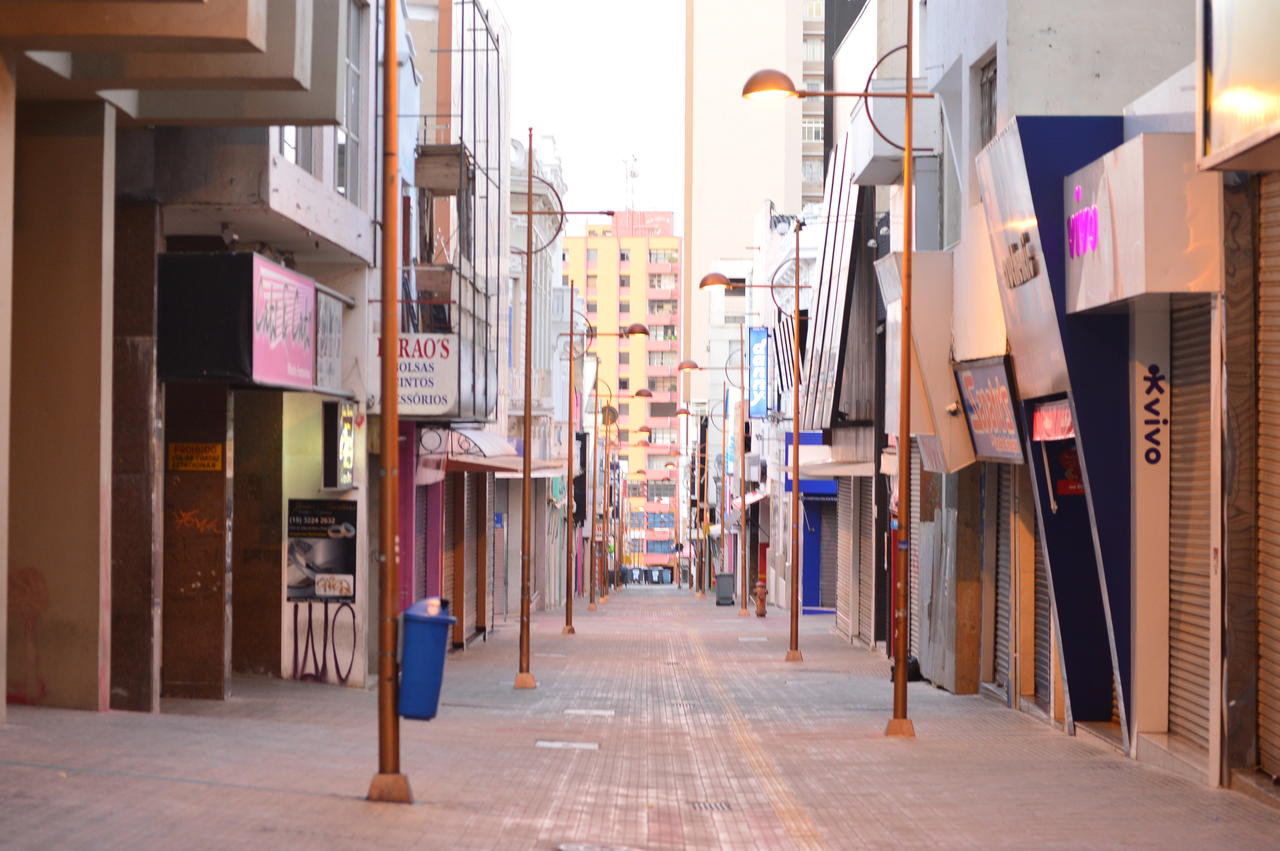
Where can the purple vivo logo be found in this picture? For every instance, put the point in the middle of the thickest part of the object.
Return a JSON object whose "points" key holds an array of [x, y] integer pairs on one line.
{"points": [[1082, 230]]}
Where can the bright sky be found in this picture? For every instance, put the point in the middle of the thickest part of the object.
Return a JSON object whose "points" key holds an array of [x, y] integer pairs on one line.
{"points": [[606, 79]]}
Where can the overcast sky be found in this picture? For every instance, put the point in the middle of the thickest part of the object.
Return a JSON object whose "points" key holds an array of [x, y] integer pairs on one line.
{"points": [[606, 79]]}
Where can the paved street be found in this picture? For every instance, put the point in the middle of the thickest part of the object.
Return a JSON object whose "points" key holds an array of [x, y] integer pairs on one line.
{"points": [[666, 722]]}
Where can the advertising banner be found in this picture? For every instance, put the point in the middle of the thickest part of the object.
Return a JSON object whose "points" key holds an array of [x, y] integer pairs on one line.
{"points": [[322, 550], [428, 374], [758, 352], [284, 326], [328, 341], [989, 407]]}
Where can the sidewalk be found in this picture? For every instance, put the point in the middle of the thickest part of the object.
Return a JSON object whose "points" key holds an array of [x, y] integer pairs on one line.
{"points": [[666, 722]]}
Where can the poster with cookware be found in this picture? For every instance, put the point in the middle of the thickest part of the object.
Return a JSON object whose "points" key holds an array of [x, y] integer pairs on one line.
{"points": [[322, 550]]}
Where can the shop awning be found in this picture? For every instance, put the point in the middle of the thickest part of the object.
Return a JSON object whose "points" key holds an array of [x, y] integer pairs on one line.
{"points": [[541, 470], [752, 498], [463, 450]]}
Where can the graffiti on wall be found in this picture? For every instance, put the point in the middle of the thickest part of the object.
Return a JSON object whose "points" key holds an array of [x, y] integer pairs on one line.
{"points": [[324, 634]]}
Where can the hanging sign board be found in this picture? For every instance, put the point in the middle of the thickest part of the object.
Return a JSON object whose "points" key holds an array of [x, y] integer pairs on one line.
{"points": [[759, 379], [427, 374], [988, 398]]}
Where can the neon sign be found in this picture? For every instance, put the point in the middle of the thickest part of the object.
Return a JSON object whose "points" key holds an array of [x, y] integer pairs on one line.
{"points": [[1082, 230]]}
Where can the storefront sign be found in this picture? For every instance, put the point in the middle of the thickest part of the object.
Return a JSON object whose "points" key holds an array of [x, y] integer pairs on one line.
{"points": [[339, 442], [427, 373], [759, 351], [328, 341], [1240, 83], [989, 407], [1020, 264], [1052, 421], [198, 457], [284, 326], [322, 550]]}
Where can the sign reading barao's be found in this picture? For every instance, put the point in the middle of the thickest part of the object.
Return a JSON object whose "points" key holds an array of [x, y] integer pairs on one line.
{"points": [[427, 374], [989, 407]]}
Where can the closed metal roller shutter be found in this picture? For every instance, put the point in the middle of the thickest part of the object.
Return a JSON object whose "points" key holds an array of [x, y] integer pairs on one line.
{"points": [[467, 615], [420, 525], [866, 561], [451, 542], [913, 575], [489, 563], [1269, 478], [830, 548], [1044, 621], [846, 578], [1189, 522], [1004, 573]]}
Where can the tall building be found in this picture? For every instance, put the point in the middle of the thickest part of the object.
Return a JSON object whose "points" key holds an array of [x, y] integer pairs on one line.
{"points": [[630, 270]]}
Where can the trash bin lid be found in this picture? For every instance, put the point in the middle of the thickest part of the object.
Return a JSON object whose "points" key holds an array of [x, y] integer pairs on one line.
{"points": [[430, 610]]}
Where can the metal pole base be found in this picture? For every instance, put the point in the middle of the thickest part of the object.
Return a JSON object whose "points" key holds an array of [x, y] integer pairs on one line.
{"points": [[390, 789], [702, 595], [568, 630], [742, 613], [525, 680], [794, 656], [901, 728], [591, 607], [604, 599]]}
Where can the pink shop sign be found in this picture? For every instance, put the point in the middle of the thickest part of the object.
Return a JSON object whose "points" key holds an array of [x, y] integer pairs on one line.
{"points": [[284, 326]]}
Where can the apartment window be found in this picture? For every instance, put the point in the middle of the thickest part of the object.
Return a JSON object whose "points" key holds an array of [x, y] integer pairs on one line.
{"points": [[811, 129], [297, 146], [624, 281], [636, 490], [812, 170], [662, 490], [662, 332], [624, 255], [591, 307], [663, 255], [593, 255], [624, 357], [664, 384], [624, 435], [624, 383], [986, 102], [564, 280], [662, 409], [813, 9], [624, 307], [663, 436], [813, 84], [813, 50], [663, 306], [624, 409], [734, 319], [662, 358], [348, 133], [592, 280]]}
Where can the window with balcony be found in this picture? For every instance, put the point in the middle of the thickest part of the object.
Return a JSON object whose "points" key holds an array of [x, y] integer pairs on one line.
{"points": [[662, 332], [663, 384], [347, 151], [663, 255], [663, 358], [811, 129]]}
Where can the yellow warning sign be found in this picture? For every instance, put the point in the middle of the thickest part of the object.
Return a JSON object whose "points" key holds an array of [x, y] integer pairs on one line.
{"points": [[195, 456]]}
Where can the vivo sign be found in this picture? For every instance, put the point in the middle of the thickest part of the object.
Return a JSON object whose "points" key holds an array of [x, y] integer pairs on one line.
{"points": [[759, 350], [1082, 229]]}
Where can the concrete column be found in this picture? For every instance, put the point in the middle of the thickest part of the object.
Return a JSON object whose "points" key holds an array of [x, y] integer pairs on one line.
{"points": [[137, 464], [8, 106], [59, 550]]}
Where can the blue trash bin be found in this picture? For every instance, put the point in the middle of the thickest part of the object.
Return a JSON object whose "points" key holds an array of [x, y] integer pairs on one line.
{"points": [[426, 635]]}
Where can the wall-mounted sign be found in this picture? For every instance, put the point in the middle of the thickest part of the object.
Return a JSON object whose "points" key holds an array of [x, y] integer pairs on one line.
{"points": [[1052, 421], [1239, 84], [284, 326], [322, 550], [328, 341], [1020, 265], [339, 445], [428, 373], [988, 397], [199, 457], [759, 380]]}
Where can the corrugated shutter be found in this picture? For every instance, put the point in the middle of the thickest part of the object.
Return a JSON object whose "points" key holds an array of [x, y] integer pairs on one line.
{"points": [[846, 578], [1189, 522], [489, 564], [420, 525], [866, 561], [451, 542], [830, 548], [467, 615], [1004, 573], [1044, 620], [913, 576], [1269, 478]]}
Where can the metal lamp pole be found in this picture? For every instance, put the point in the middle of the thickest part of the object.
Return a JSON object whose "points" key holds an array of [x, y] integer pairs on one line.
{"points": [[793, 651], [595, 496], [524, 679], [742, 469], [571, 442], [389, 784]]}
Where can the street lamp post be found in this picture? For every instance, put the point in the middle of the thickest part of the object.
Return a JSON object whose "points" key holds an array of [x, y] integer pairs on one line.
{"points": [[772, 83], [742, 468], [570, 442]]}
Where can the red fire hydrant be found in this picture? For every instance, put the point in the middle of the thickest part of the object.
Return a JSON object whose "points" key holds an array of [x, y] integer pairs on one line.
{"points": [[761, 591]]}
